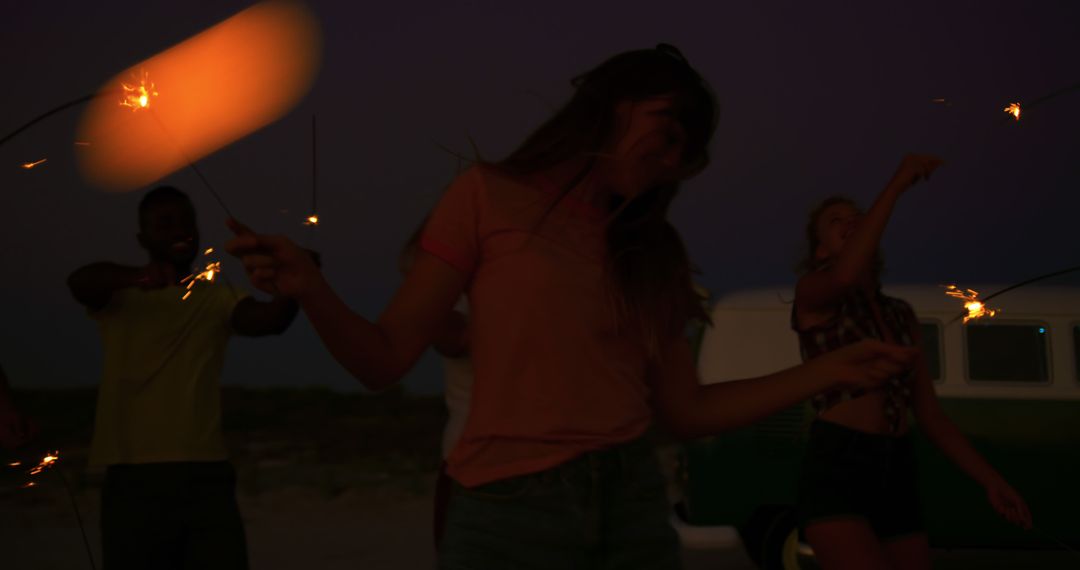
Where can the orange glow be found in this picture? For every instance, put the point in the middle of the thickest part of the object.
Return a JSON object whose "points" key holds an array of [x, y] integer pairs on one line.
{"points": [[45, 463], [29, 165], [15, 464], [200, 95], [28, 485], [138, 96], [976, 309], [1014, 110], [208, 275], [312, 220]]}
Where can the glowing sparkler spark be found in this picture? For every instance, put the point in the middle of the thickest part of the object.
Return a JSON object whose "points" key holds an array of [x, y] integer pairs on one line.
{"points": [[208, 275], [312, 220], [29, 165], [976, 309], [138, 96], [1014, 110], [46, 462], [208, 251]]}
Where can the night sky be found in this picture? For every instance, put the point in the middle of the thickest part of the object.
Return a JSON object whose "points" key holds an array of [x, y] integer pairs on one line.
{"points": [[818, 98]]}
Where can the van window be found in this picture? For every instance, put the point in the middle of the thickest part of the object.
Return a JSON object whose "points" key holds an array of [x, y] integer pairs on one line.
{"points": [[1008, 352], [931, 348]]}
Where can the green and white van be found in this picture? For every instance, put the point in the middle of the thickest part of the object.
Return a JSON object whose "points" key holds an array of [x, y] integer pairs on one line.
{"points": [[1011, 383]]}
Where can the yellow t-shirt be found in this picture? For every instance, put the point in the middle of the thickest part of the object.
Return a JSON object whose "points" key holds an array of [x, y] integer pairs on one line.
{"points": [[160, 398]]}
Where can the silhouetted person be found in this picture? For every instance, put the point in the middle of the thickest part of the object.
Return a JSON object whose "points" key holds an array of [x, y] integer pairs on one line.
{"points": [[579, 294], [858, 504], [168, 499]]}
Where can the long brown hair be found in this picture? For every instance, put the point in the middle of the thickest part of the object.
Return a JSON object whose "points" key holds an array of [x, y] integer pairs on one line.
{"points": [[810, 262], [648, 270]]}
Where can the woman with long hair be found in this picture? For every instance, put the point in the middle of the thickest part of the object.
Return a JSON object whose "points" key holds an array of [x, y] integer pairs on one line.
{"points": [[579, 290], [858, 505]]}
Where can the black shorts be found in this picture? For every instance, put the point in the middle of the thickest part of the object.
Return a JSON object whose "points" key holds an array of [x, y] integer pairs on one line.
{"points": [[172, 516], [849, 473]]}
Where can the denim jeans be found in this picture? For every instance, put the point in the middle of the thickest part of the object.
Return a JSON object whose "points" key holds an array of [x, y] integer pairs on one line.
{"points": [[606, 509]]}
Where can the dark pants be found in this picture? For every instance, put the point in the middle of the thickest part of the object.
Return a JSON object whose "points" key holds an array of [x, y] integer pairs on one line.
{"points": [[605, 510], [850, 473], [171, 516]]}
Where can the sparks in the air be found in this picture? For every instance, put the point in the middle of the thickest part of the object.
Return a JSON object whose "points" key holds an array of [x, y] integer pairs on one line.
{"points": [[137, 95], [1014, 110], [29, 165], [976, 309], [212, 270]]}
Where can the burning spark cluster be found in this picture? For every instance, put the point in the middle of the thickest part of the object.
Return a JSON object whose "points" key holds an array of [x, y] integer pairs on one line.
{"points": [[976, 309], [137, 96], [212, 270], [46, 462], [1014, 110]]}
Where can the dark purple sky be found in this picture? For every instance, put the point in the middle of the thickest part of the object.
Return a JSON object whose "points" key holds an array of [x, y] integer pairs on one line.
{"points": [[818, 98]]}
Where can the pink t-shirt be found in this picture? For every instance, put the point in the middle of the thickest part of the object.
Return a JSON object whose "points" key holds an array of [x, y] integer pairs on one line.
{"points": [[552, 379]]}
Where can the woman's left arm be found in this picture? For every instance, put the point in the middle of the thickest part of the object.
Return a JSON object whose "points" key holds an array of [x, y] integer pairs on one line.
{"points": [[940, 430]]}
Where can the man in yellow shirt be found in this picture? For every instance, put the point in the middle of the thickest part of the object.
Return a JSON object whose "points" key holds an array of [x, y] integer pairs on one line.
{"points": [[169, 494]]}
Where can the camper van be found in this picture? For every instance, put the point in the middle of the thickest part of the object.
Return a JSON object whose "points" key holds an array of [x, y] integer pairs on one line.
{"points": [[1011, 382]]}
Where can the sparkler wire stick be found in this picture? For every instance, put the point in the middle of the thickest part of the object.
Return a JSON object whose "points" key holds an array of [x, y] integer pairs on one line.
{"points": [[1061, 91], [1032, 280], [314, 171], [192, 166], [78, 517], [51, 112], [1060, 542]]}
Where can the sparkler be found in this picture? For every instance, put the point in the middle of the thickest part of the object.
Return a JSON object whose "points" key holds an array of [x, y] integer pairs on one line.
{"points": [[212, 270], [138, 96], [313, 219], [1055, 538], [208, 274], [976, 309], [1010, 288], [1014, 110], [46, 462], [1040, 100], [29, 165]]}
